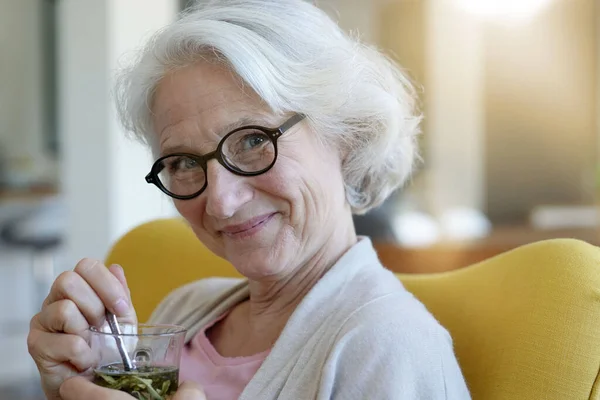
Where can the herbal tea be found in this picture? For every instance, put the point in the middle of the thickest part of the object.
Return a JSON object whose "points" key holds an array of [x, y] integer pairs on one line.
{"points": [[143, 383]]}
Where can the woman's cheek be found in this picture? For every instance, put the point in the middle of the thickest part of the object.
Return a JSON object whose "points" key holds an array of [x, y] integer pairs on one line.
{"points": [[190, 210]]}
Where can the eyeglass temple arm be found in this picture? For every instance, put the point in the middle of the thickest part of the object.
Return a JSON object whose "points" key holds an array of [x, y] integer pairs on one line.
{"points": [[291, 122]]}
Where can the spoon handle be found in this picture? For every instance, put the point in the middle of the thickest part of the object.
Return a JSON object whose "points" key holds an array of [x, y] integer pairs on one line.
{"points": [[116, 331]]}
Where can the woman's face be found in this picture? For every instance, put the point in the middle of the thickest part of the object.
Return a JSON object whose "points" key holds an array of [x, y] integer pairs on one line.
{"points": [[267, 225]]}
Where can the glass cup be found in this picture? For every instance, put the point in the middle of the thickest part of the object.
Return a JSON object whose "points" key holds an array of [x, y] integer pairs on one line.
{"points": [[155, 352]]}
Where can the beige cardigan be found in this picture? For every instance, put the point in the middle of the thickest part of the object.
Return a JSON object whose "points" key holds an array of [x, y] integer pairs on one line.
{"points": [[358, 334]]}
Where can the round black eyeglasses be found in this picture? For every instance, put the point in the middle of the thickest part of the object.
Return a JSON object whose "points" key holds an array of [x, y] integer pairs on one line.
{"points": [[246, 151]]}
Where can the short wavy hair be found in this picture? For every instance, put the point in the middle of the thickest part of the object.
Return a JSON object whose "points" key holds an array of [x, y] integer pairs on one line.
{"points": [[297, 59]]}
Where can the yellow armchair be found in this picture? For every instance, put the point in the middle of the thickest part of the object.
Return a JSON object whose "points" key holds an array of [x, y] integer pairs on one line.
{"points": [[525, 324]]}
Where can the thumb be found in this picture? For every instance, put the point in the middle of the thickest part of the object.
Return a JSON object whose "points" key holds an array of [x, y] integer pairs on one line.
{"points": [[190, 391]]}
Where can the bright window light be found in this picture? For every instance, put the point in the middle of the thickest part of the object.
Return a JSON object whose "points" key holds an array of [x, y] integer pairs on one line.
{"points": [[505, 9]]}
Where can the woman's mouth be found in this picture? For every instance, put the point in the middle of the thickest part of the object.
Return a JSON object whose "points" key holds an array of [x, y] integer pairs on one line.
{"points": [[247, 228]]}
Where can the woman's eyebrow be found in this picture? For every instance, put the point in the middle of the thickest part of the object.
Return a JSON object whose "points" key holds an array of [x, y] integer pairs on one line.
{"points": [[224, 130], [241, 122], [176, 149]]}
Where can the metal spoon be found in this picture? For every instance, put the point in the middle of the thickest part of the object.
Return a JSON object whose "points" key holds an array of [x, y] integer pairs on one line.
{"points": [[116, 331]]}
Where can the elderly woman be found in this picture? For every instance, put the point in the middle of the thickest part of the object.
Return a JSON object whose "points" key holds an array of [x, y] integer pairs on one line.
{"points": [[271, 128]]}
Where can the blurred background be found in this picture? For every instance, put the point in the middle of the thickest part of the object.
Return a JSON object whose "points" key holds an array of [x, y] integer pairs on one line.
{"points": [[510, 143]]}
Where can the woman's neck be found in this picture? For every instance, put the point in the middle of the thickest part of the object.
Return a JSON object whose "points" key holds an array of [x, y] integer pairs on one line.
{"points": [[272, 302]]}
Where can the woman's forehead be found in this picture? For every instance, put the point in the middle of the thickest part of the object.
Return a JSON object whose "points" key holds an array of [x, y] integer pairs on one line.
{"points": [[206, 100], [182, 138], [174, 106]]}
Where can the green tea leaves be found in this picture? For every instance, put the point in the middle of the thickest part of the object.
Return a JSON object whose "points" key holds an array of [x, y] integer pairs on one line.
{"points": [[143, 383]]}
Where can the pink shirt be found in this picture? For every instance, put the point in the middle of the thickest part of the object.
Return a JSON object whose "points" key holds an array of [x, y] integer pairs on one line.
{"points": [[222, 378]]}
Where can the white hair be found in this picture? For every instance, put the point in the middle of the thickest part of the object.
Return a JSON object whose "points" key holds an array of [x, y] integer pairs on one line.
{"points": [[297, 60]]}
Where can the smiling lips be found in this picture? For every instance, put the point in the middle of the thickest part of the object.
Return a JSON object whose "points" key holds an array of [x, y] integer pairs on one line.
{"points": [[248, 227]]}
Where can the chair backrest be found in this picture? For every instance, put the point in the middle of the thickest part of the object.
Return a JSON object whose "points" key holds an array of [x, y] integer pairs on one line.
{"points": [[525, 324]]}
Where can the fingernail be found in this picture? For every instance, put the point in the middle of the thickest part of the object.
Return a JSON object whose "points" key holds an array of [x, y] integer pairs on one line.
{"points": [[121, 307], [116, 266], [120, 270]]}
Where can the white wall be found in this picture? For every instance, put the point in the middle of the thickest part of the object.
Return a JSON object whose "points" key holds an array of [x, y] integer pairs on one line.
{"points": [[140, 202], [454, 108], [597, 169], [103, 172], [21, 88]]}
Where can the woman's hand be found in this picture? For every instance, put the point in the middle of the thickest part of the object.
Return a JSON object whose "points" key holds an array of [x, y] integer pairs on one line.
{"points": [[80, 388], [78, 299]]}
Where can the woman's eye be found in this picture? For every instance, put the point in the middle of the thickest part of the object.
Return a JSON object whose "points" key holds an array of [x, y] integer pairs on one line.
{"points": [[249, 142], [182, 164], [245, 143], [189, 163]]}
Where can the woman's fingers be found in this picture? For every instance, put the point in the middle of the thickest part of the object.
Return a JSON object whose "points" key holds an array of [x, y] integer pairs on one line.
{"points": [[63, 316], [190, 391], [94, 288], [51, 351], [58, 335], [118, 272], [51, 382], [112, 293], [71, 286]]}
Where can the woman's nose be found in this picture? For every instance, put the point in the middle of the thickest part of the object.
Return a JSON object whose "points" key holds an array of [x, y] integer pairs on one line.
{"points": [[226, 192]]}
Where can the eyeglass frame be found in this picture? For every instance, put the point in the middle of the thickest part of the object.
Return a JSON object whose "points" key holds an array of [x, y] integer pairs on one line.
{"points": [[202, 160]]}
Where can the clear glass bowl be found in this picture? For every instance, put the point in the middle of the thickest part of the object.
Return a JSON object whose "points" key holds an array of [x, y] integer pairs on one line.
{"points": [[155, 351]]}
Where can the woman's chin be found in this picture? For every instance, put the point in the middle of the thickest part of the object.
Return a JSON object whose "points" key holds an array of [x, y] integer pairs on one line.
{"points": [[256, 256], [256, 264], [249, 264]]}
